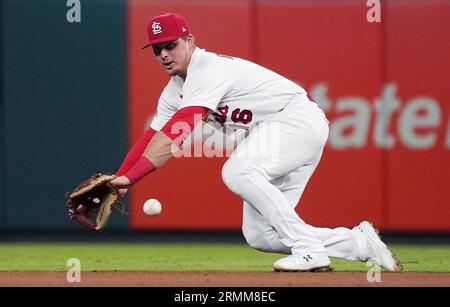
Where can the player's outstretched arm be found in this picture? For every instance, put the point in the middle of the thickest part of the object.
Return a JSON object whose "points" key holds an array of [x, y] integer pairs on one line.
{"points": [[136, 152], [159, 150]]}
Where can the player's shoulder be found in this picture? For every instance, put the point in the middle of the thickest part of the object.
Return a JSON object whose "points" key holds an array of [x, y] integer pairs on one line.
{"points": [[229, 62], [208, 59], [206, 64]]}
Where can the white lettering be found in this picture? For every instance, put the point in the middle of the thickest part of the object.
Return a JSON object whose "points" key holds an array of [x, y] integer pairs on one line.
{"points": [[374, 274], [319, 93], [384, 107], [411, 119], [74, 273], [197, 135], [74, 13], [414, 124], [374, 14], [357, 123], [213, 145], [177, 147]]}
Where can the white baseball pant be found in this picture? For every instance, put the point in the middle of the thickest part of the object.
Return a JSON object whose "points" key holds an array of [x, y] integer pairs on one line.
{"points": [[269, 171]]}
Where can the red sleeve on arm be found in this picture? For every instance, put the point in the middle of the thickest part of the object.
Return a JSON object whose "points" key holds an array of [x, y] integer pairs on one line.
{"points": [[142, 168], [183, 122], [136, 152], [179, 126]]}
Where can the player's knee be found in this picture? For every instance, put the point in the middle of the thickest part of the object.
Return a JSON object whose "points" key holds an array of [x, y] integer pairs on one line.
{"points": [[232, 176], [237, 175]]}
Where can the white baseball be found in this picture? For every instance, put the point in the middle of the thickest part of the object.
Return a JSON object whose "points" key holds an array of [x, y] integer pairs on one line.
{"points": [[152, 207]]}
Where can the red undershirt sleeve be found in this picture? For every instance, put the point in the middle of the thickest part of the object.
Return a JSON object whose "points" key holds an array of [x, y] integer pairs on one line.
{"points": [[182, 123], [136, 152], [178, 128]]}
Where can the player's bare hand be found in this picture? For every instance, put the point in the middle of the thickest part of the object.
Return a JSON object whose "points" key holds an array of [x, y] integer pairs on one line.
{"points": [[121, 182]]}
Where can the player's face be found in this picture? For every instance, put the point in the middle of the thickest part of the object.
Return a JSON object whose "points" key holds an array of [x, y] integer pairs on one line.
{"points": [[174, 56]]}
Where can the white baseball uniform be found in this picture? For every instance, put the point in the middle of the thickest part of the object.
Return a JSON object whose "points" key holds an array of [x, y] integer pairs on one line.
{"points": [[270, 169]]}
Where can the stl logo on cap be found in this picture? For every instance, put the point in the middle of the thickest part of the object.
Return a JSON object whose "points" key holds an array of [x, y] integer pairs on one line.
{"points": [[166, 27], [156, 26]]}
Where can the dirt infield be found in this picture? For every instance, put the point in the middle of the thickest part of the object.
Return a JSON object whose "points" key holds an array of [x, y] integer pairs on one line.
{"points": [[222, 279]]}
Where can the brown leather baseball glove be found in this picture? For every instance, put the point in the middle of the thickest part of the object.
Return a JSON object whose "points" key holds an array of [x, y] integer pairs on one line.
{"points": [[92, 201]]}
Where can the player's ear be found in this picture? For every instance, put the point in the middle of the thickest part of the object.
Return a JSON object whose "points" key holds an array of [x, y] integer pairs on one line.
{"points": [[191, 40]]}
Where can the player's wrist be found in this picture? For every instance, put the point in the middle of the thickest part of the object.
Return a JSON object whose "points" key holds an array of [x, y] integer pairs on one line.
{"points": [[142, 168]]}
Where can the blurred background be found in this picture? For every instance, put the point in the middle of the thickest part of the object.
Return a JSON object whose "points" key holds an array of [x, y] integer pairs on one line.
{"points": [[77, 91]]}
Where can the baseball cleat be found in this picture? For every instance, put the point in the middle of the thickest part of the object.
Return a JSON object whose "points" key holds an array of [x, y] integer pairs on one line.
{"points": [[303, 263], [379, 253]]}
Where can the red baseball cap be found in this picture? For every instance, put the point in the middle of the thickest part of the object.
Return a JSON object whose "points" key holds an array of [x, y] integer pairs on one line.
{"points": [[166, 27]]}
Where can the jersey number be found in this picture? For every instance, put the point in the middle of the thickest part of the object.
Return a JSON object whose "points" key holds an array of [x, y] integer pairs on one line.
{"points": [[244, 116], [237, 116]]}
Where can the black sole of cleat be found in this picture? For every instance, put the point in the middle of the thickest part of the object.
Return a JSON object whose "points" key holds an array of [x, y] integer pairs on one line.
{"points": [[316, 270]]}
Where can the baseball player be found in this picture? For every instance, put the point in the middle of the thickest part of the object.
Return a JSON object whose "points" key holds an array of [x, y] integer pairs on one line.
{"points": [[270, 168]]}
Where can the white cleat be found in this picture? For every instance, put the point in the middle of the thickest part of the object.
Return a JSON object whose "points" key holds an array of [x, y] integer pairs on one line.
{"points": [[303, 263], [379, 253]]}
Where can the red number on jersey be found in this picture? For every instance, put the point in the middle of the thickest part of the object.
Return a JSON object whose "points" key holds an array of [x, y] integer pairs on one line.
{"points": [[221, 117], [244, 116], [237, 116]]}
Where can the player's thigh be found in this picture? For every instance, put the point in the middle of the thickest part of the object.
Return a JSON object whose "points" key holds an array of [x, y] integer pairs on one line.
{"points": [[276, 149], [252, 155], [259, 152]]}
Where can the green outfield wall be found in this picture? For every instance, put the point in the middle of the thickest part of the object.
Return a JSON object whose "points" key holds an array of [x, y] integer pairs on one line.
{"points": [[63, 105]]}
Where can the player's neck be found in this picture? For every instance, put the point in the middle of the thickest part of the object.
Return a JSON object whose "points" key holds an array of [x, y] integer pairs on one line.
{"points": [[183, 73]]}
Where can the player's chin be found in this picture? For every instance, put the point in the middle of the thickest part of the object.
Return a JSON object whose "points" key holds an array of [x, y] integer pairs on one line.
{"points": [[172, 72]]}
